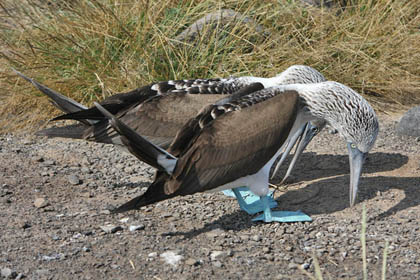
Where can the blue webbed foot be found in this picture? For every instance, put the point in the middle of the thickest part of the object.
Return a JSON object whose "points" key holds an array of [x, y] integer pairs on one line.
{"points": [[251, 203], [280, 216]]}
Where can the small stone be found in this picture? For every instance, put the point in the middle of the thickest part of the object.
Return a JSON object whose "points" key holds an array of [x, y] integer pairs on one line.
{"points": [[191, 261], [111, 228], [124, 220], [292, 266], [266, 250], [305, 266], [39, 159], [26, 225], [136, 227], [216, 255], [256, 238], [215, 233], [42, 272], [217, 264], [49, 162], [55, 237], [171, 257], [152, 255], [74, 180], [289, 248], [40, 202], [8, 273], [53, 257], [408, 124]]}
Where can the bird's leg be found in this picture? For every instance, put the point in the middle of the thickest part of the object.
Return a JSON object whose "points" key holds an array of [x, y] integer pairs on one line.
{"points": [[279, 216], [251, 203]]}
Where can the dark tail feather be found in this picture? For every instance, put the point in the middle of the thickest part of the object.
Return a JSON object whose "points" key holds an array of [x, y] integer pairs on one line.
{"points": [[155, 193], [60, 101], [139, 146], [91, 113], [70, 131]]}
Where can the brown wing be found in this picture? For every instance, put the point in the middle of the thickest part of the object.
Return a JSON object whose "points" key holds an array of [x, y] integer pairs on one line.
{"points": [[158, 119], [234, 145]]}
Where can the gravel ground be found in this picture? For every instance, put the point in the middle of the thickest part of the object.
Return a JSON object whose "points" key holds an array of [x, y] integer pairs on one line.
{"points": [[54, 196]]}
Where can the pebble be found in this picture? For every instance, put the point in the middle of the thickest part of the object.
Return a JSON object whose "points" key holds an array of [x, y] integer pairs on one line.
{"points": [[215, 233], [152, 255], [111, 228], [292, 266], [217, 264], [136, 227], [305, 266], [40, 202], [8, 273], [74, 180], [191, 261], [256, 238], [215, 255], [171, 257], [124, 220], [53, 257]]}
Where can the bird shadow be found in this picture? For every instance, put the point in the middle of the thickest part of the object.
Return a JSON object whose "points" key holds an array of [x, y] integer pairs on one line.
{"points": [[332, 194], [312, 166]]}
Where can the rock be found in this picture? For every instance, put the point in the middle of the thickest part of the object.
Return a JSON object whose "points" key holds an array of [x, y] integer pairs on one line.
{"points": [[25, 225], [124, 220], [111, 228], [42, 272], [223, 18], [217, 264], [152, 255], [74, 180], [319, 3], [53, 257], [136, 227], [305, 266], [216, 255], [410, 123], [8, 273], [171, 257], [215, 233], [292, 266], [40, 202], [256, 238], [191, 261]]}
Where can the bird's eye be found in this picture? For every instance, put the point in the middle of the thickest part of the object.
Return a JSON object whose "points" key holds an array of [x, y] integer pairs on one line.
{"points": [[315, 129], [353, 146]]}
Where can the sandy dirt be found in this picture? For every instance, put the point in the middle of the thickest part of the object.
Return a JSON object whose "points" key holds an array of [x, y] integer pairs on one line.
{"points": [[55, 196]]}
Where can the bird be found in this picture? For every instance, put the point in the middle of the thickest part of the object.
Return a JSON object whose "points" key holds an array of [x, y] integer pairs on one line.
{"points": [[157, 111], [235, 141]]}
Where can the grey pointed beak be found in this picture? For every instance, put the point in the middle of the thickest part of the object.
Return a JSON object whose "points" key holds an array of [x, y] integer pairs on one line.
{"points": [[289, 147], [356, 158]]}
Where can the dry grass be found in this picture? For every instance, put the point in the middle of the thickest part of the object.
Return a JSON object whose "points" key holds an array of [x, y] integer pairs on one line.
{"points": [[88, 49]]}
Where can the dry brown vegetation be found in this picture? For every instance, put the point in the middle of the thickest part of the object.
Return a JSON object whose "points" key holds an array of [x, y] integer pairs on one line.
{"points": [[88, 49]]}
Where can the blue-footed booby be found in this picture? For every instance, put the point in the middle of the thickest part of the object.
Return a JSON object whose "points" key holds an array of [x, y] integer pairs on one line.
{"points": [[235, 141], [157, 111]]}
